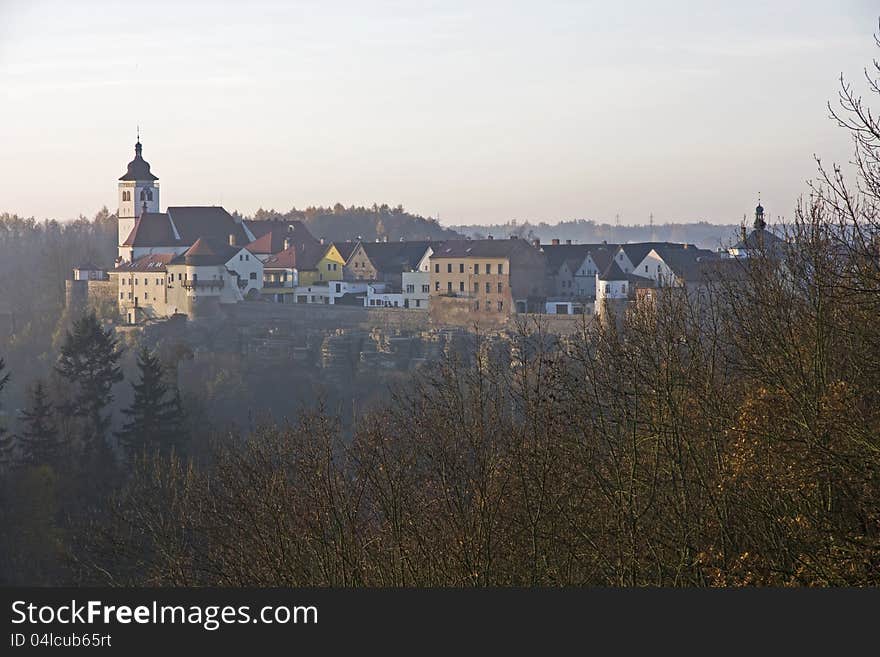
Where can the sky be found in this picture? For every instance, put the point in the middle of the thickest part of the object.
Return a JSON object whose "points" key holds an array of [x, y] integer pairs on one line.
{"points": [[473, 112]]}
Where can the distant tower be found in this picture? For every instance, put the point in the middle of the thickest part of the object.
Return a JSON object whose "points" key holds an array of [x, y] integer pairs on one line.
{"points": [[138, 189], [759, 224]]}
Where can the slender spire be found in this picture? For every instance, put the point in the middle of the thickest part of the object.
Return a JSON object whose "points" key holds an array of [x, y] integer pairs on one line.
{"points": [[760, 224]]}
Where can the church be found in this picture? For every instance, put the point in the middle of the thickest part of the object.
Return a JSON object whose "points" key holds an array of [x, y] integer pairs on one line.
{"points": [[186, 260]]}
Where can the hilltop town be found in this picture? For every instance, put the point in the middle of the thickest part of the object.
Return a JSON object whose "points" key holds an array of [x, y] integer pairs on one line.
{"points": [[195, 261]]}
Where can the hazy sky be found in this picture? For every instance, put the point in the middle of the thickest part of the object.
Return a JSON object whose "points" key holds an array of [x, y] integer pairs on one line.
{"points": [[476, 111]]}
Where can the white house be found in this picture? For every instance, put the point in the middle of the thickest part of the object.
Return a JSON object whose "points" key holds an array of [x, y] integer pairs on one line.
{"points": [[380, 295], [416, 287]]}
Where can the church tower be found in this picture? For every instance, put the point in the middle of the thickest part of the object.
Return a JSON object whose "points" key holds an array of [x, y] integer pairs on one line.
{"points": [[138, 191]]}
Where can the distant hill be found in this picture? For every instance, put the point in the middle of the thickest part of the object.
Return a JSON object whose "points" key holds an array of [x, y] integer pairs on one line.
{"points": [[703, 234], [338, 223]]}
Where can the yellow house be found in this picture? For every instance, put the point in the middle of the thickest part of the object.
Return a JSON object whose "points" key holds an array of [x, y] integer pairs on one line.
{"points": [[319, 264]]}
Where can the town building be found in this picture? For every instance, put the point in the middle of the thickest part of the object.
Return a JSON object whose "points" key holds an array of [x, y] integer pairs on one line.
{"points": [[494, 277]]}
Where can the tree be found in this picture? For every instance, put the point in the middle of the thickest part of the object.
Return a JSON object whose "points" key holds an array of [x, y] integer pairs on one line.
{"points": [[40, 436], [155, 415], [6, 439], [89, 362]]}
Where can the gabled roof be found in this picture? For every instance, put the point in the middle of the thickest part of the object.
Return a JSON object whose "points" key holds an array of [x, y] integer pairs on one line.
{"points": [[603, 256], [302, 257], [138, 168], [193, 222], [614, 273], [152, 229], [182, 226], [556, 254], [479, 248], [271, 235], [395, 257], [147, 263], [687, 264], [345, 249], [637, 251], [205, 252]]}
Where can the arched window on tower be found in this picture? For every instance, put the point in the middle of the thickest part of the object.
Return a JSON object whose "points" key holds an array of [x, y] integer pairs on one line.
{"points": [[149, 194], [143, 195]]}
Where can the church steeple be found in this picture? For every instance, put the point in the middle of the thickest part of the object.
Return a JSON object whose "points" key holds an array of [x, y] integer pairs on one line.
{"points": [[759, 224], [138, 193]]}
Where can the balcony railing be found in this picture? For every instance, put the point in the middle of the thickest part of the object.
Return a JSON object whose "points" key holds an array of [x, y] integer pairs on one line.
{"points": [[214, 282]]}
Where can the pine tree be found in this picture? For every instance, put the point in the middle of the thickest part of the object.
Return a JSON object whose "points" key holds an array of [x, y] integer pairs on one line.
{"points": [[6, 439], [89, 361], [155, 415], [40, 435]]}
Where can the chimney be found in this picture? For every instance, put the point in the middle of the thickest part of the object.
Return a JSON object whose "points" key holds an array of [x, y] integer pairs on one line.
{"points": [[537, 243], [685, 245], [231, 239], [321, 240], [568, 241], [287, 243], [554, 241], [490, 237]]}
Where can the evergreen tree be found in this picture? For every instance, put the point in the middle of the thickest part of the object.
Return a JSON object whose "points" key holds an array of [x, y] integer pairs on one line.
{"points": [[155, 415], [6, 439], [89, 362], [40, 435]]}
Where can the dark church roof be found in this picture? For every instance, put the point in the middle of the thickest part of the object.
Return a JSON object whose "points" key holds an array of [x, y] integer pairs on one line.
{"points": [[138, 168], [182, 226], [760, 239]]}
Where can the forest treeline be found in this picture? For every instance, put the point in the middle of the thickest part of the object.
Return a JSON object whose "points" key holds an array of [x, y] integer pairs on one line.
{"points": [[379, 222], [583, 231]]}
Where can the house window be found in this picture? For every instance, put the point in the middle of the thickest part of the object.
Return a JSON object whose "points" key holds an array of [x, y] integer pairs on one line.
{"points": [[253, 275], [437, 286], [334, 267], [449, 286], [476, 269], [500, 288], [477, 305], [488, 287], [448, 267], [121, 295], [476, 287], [135, 281], [410, 289], [329, 268], [143, 195], [646, 268], [500, 269], [146, 296], [488, 268], [500, 306], [460, 267], [461, 286], [418, 303], [436, 269], [149, 194]]}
